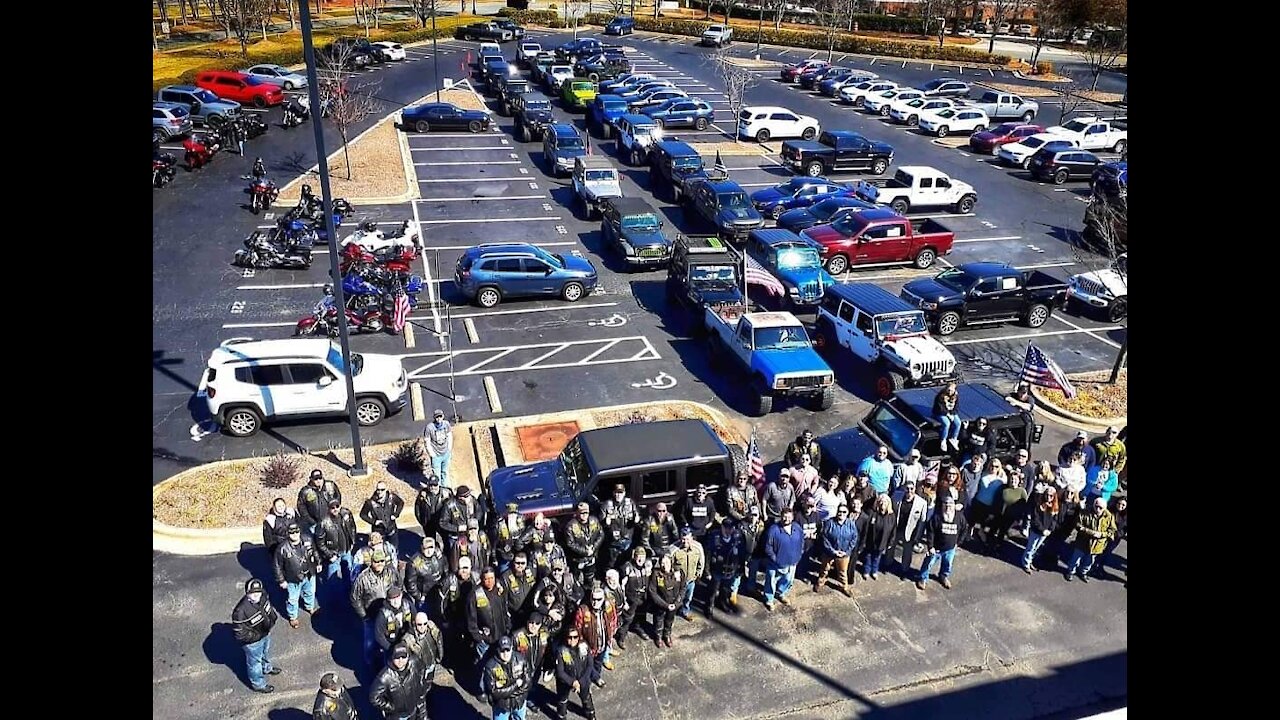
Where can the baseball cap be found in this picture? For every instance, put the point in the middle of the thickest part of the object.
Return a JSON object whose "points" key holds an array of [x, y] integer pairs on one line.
{"points": [[317, 473], [400, 652], [292, 527], [334, 503], [378, 556], [686, 530], [583, 507], [536, 617], [329, 681], [394, 591], [254, 585], [438, 413], [1082, 435], [464, 491], [504, 643], [513, 508], [433, 480], [914, 453]]}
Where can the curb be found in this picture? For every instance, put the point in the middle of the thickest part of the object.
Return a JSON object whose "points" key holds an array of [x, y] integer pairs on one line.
{"points": [[217, 541], [411, 179], [1063, 413]]}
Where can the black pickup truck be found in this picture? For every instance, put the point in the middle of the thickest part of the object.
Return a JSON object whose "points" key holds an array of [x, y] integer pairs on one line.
{"points": [[484, 31], [985, 293], [836, 151]]}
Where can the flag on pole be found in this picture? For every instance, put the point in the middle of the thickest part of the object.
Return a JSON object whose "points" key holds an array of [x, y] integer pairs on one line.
{"points": [[720, 167], [1038, 369], [757, 275], [755, 461], [400, 314]]}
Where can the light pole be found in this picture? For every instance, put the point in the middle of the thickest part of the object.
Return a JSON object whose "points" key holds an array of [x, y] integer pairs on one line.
{"points": [[759, 29], [313, 93], [435, 51]]}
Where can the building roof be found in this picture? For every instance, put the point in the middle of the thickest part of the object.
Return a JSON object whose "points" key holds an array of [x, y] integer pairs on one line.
{"points": [[623, 446]]}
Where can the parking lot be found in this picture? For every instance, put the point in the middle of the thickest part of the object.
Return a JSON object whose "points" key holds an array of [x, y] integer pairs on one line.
{"points": [[619, 344]]}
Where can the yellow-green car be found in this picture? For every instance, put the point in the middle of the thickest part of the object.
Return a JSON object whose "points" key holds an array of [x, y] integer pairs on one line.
{"points": [[578, 93]]}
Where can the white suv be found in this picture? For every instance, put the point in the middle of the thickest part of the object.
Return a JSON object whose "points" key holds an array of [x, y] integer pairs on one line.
{"points": [[251, 382], [853, 94], [879, 102], [763, 122]]}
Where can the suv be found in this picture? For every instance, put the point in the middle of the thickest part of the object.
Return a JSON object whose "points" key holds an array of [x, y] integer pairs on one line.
{"points": [[169, 120], [532, 112], [488, 273], [678, 164], [204, 106], [764, 122], [577, 94], [359, 46], [594, 180], [886, 333], [555, 76], [507, 90], [248, 383], [633, 227], [635, 137], [240, 87], [725, 205], [1060, 166], [561, 143], [704, 271], [795, 261], [602, 67], [656, 461], [620, 25]]}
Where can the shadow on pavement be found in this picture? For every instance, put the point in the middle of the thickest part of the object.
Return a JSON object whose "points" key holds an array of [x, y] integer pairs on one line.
{"points": [[289, 714], [222, 648], [447, 702]]}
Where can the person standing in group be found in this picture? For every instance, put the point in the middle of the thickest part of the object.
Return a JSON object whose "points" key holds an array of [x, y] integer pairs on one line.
{"points": [[739, 498], [944, 411], [984, 501], [423, 573], [753, 537], [804, 444], [725, 559], [473, 544], [437, 438], [532, 641], [779, 495], [251, 621], [397, 689], [839, 535], [1080, 444], [910, 469], [573, 675], [428, 506], [1044, 520], [518, 582], [506, 682], [332, 700], [508, 537], [335, 540], [635, 588], [691, 558], [487, 617], [810, 521], [296, 565], [369, 589], [697, 512], [784, 544], [583, 536], [1101, 480], [1120, 511], [393, 620], [979, 436], [314, 499], [596, 620], [460, 508], [620, 517], [829, 498], [1011, 507], [1095, 527], [377, 544], [275, 526], [1071, 477], [911, 511], [1110, 445], [666, 588], [861, 514], [426, 643], [660, 533], [879, 470], [880, 532], [551, 605], [381, 510], [804, 475], [943, 534]]}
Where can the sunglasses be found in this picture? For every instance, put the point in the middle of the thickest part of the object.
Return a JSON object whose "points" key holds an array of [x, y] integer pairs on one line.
{"points": [[418, 624], [294, 532], [573, 637], [520, 562]]}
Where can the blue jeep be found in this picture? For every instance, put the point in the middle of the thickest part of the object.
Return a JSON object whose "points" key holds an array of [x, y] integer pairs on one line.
{"points": [[795, 261], [603, 110], [634, 228], [773, 350]]}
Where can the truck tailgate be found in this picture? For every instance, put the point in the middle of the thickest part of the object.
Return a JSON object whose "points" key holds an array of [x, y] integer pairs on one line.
{"points": [[869, 190], [793, 149]]}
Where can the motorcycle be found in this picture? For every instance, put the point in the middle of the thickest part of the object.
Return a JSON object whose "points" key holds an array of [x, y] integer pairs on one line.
{"points": [[262, 192], [397, 259], [296, 111], [252, 125], [201, 148], [309, 208], [369, 237], [369, 284], [362, 320], [260, 252], [162, 169]]}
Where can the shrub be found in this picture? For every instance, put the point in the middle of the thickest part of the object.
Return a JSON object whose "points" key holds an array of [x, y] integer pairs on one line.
{"points": [[1044, 67], [408, 456], [281, 470]]}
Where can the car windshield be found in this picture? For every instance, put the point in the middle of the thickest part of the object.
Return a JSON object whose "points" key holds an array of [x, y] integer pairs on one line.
{"points": [[932, 85], [825, 209], [641, 130], [1033, 142], [615, 104], [572, 141], [205, 96], [798, 259], [645, 222], [893, 429], [581, 87], [956, 279], [909, 324], [601, 176], [946, 113], [781, 338], [573, 470], [690, 163], [916, 103], [555, 260], [1076, 125], [733, 200], [713, 275]]}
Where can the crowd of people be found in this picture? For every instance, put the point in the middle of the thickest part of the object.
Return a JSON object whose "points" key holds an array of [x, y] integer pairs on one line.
{"points": [[520, 605]]}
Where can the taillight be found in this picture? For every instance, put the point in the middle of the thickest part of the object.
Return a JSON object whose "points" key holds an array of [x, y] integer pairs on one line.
{"points": [[175, 122], [210, 391]]}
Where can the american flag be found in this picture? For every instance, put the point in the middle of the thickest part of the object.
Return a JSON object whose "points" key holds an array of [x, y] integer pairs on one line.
{"points": [[400, 314], [1038, 369], [757, 275], [720, 167], [755, 461]]}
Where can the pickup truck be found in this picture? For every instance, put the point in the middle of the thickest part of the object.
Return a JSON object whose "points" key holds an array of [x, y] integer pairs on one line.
{"points": [[836, 151], [1105, 290], [1006, 106], [1095, 134], [603, 111], [985, 293], [725, 205], [877, 237], [885, 334], [704, 271], [905, 422], [773, 350], [717, 35], [483, 31], [526, 53], [918, 186], [594, 180]]}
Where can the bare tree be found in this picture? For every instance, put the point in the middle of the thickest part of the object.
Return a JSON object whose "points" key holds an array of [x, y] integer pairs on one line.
{"points": [[424, 9], [957, 8], [1067, 96], [1103, 50], [344, 102], [1004, 10], [833, 14], [728, 8], [737, 81], [243, 17], [1106, 231], [779, 8], [618, 7], [927, 11]]}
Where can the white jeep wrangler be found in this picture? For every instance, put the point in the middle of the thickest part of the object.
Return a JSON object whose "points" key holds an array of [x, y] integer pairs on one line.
{"points": [[886, 333], [1107, 290]]}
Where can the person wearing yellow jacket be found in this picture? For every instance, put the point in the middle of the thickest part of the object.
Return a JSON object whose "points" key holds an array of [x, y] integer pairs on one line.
{"points": [[1094, 528], [690, 557]]}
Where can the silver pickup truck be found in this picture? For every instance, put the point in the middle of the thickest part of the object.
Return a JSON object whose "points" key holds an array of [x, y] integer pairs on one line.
{"points": [[1006, 106]]}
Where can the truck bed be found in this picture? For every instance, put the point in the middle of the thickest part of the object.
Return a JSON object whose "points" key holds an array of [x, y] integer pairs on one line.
{"points": [[929, 226], [1039, 280]]}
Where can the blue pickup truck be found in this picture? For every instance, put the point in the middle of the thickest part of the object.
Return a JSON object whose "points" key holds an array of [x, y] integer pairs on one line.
{"points": [[793, 260], [602, 111], [773, 351]]}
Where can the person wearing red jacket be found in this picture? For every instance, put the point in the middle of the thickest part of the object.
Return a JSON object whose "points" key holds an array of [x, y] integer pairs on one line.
{"points": [[597, 622]]}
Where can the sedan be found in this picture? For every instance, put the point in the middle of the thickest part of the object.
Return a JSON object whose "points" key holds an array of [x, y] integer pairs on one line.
{"points": [[961, 119], [945, 87], [391, 50], [798, 192], [681, 112], [809, 79], [823, 211], [989, 141], [655, 97], [832, 88], [792, 72], [277, 75], [1063, 165], [443, 116]]}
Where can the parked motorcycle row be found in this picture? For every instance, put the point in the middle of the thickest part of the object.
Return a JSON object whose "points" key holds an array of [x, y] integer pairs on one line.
{"points": [[202, 146]]}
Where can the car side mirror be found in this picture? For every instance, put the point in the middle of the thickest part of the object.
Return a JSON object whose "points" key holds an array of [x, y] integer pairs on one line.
{"points": [[548, 271], [976, 292], [324, 381]]}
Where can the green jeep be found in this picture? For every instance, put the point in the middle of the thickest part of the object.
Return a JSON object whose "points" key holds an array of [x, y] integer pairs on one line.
{"points": [[578, 93]]}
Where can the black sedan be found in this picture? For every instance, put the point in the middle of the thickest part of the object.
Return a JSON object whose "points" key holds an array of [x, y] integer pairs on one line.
{"points": [[1063, 165], [442, 116], [821, 212]]}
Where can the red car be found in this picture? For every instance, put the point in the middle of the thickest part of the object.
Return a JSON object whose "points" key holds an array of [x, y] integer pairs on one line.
{"points": [[989, 141], [241, 87], [791, 73], [879, 237]]}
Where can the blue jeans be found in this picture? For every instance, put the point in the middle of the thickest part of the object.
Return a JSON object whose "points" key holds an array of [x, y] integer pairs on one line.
{"points": [[1034, 541], [372, 653], [754, 567], [1082, 560], [948, 557], [777, 581], [950, 426], [257, 662], [482, 649], [440, 466], [871, 562], [517, 714], [688, 597], [335, 568], [307, 589]]}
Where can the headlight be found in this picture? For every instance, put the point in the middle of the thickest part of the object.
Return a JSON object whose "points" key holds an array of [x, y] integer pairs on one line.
{"points": [[626, 247], [926, 305]]}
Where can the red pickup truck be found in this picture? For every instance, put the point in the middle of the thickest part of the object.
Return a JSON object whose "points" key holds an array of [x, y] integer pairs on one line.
{"points": [[878, 237]]}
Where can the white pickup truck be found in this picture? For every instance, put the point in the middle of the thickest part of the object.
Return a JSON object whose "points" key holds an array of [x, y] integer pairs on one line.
{"points": [[717, 35], [1095, 134], [918, 186]]}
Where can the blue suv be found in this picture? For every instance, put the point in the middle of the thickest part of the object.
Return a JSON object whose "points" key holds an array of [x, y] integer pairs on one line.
{"points": [[488, 273], [620, 26]]}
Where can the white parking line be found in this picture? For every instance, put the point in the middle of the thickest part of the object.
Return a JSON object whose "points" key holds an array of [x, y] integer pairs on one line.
{"points": [[1024, 336], [487, 220], [479, 198], [1089, 331], [647, 352], [939, 215], [989, 239], [430, 136], [466, 247], [471, 162], [463, 149], [555, 308], [280, 287], [481, 179], [1067, 263]]}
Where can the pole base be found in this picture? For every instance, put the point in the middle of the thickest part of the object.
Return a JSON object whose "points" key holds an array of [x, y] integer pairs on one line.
{"points": [[360, 472]]}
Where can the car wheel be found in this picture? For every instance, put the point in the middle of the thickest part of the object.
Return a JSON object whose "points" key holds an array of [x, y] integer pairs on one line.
{"points": [[943, 130], [659, 123], [572, 291], [764, 398], [776, 211], [370, 411], [524, 133], [488, 297], [1037, 315], [826, 399], [1120, 146], [879, 166], [948, 322], [242, 422], [978, 129], [814, 169], [259, 101], [809, 133], [635, 157], [900, 206], [215, 121], [472, 38], [924, 258], [1060, 177], [884, 111], [700, 124], [966, 203], [763, 136], [1118, 311], [886, 385], [422, 126], [474, 126], [1026, 163], [1026, 116], [158, 135], [287, 85], [913, 120], [837, 264]]}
